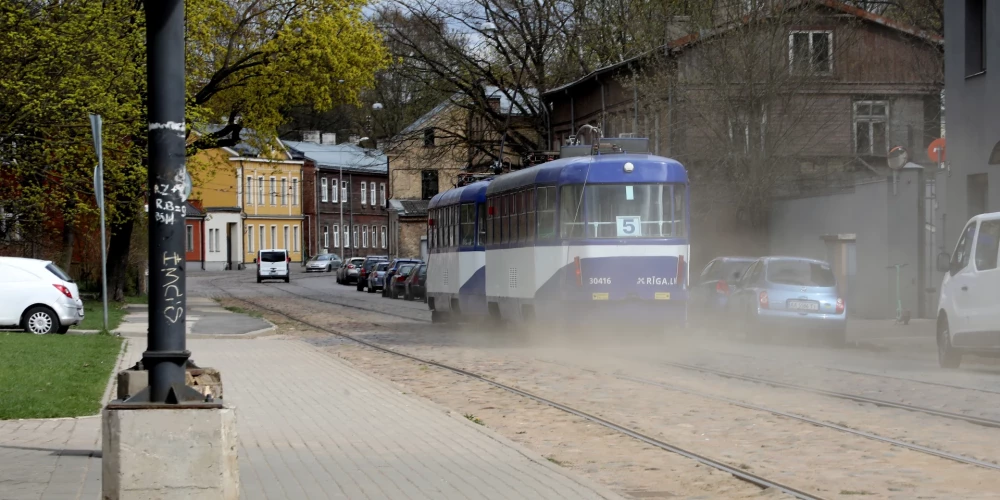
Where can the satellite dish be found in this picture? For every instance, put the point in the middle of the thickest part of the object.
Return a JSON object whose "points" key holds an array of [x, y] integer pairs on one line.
{"points": [[898, 157]]}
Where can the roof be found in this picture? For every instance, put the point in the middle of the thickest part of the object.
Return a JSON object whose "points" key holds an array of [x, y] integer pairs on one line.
{"points": [[194, 212], [693, 38], [347, 156], [410, 208], [491, 92], [600, 169], [466, 194]]}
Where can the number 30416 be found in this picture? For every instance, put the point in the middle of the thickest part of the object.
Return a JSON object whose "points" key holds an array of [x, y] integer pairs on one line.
{"points": [[600, 281]]}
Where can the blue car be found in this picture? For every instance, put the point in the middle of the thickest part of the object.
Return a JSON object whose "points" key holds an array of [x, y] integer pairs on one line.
{"points": [[710, 293], [376, 278], [789, 294]]}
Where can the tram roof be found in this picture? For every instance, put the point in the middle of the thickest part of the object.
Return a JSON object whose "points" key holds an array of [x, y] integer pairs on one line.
{"points": [[466, 194], [600, 169]]}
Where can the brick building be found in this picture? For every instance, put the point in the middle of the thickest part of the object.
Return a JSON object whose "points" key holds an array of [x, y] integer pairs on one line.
{"points": [[346, 206]]}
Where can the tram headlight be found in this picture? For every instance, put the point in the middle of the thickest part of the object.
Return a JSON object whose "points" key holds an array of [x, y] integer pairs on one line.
{"points": [[629, 167]]}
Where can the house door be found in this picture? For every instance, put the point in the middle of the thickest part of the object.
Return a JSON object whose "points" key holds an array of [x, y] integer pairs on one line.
{"points": [[230, 250]]}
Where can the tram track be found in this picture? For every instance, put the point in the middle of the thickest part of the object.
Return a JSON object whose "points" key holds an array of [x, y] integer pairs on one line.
{"points": [[736, 472]]}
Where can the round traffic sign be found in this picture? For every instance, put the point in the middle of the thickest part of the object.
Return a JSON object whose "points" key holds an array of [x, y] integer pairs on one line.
{"points": [[935, 151]]}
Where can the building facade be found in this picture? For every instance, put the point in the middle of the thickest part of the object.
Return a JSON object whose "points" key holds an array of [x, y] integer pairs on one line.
{"points": [[194, 236], [251, 203], [350, 195], [972, 155]]}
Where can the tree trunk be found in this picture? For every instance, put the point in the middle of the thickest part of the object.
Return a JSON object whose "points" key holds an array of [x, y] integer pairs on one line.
{"points": [[118, 250], [67, 246]]}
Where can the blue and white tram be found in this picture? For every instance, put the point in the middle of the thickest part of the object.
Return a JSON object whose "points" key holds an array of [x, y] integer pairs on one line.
{"points": [[589, 237], [456, 274]]}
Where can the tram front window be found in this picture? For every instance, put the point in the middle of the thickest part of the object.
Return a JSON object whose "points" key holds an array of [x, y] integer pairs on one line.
{"points": [[634, 211]]}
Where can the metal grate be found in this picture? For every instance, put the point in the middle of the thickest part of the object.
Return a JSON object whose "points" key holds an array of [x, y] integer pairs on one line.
{"points": [[444, 277], [512, 277]]}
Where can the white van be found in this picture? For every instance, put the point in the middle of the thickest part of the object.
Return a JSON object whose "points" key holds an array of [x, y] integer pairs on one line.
{"points": [[968, 311], [37, 296], [273, 265]]}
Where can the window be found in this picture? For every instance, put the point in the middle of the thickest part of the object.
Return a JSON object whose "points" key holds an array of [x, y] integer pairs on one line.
{"points": [[363, 193], [336, 237], [374, 231], [364, 235], [211, 240], [800, 273], [811, 52], [428, 137], [747, 129], [295, 237], [571, 211], [490, 211], [633, 211], [428, 184], [326, 236], [343, 191], [467, 229], [263, 238], [481, 224], [356, 240], [373, 200], [384, 242], [870, 119], [284, 191], [988, 245], [546, 212], [248, 190], [963, 249], [250, 241], [333, 191], [975, 37], [260, 190], [381, 194], [287, 241], [295, 191], [455, 218], [323, 192], [190, 238], [522, 216], [347, 237], [274, 191], [274, 236]]}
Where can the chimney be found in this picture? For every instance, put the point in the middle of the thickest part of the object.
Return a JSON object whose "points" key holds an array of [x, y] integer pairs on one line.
{"points": [[328, 138], [312, 136]]}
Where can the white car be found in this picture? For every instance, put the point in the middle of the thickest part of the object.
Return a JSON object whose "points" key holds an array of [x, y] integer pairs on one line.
{"points": [[37, 296], [968, 311], [272, 265]]}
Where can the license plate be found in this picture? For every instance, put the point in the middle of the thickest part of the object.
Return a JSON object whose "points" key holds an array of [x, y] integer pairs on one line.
{"points": [[662, 296], [600, 296], [801, 305]]}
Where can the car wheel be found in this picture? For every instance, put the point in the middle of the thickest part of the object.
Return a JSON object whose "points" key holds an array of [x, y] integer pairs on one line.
{"points": [[41, 320], [947, 356], [439, 317], [371, 289], [407, 295], [63, 330], [258, 279], [329, 269], [288, 279]]}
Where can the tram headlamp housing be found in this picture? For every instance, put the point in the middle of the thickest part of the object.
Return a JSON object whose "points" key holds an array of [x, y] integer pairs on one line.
{"points": [[629, 167]]}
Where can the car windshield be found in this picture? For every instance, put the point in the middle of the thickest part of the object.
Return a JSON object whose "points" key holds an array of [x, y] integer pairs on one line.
{"points": [[800, 273], [272, 256], [724, 269], [624, 211], [56, 270], [382, 267]]}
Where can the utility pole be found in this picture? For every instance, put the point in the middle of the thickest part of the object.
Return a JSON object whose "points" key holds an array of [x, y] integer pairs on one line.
{"points": [[166, 355]]}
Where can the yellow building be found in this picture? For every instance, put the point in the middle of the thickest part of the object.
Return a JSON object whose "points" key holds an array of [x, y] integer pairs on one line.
{"points": [[251, 202]]}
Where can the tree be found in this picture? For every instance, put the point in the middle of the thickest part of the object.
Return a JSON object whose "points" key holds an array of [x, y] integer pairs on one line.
{"points": [[246, 62]]}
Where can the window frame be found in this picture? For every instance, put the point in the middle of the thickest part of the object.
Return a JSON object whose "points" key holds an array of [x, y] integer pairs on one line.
{"points": [[829, 52], [343, 191], [284, 191], [385, 242], [870, 119], [250, 239], [295, 237], [260, 190], [381, 191], [248, 187], [273, 194], [371, 188], [336, 236], [189, 236], [324, 185], [364, 193], [285, 236], [295, 191]]}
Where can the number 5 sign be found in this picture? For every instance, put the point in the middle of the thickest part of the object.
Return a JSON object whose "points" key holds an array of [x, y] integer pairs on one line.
{"points": [[629, 226]]}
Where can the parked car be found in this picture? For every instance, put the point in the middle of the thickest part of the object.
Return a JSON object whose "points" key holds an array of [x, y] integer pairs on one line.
{"points": [[710, 293], [778, 293], [324, 262], [273, 265], [349, 273], [416, 284], [394, 267], [968, 317], [376, 278], [38, 296], [397, 283], [366, 267]]}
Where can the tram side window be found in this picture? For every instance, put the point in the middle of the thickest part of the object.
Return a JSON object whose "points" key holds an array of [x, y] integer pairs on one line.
{"points": [[454, 225], [571, 211], [481, 224], [529, 203], [546, 213], [467, 230], [489, 222], [504, 219], [522, 216], [680, 230]]}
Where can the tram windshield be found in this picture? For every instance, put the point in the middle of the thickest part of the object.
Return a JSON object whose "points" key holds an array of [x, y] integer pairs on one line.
{"points": [[624, 211]]}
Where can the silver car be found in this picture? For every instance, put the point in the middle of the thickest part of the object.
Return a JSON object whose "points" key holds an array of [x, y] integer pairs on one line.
{"points": [[324, 262], [348, 273]]}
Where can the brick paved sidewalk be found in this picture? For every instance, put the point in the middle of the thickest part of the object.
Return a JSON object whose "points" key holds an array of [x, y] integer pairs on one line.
{"points": [[310, 426]]}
